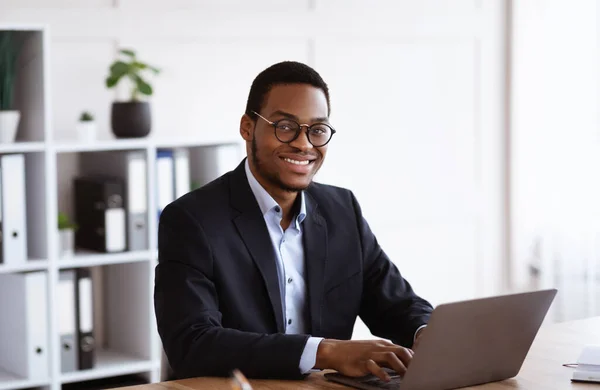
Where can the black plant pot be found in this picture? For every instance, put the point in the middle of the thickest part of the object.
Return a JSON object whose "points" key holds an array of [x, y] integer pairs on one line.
{"points": [[130, 119]]}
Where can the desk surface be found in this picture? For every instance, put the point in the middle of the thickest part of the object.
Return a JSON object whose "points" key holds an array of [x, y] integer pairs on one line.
{"points": [[554, 346]]}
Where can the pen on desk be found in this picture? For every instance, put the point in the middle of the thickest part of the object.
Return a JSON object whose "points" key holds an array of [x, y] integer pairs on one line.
{"points": [[239, 381]]}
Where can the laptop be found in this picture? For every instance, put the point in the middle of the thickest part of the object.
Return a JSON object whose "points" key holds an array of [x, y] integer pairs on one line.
{"points": [[468, 343]]}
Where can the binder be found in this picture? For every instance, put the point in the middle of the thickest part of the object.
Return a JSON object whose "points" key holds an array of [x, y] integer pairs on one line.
{"points": [[13, 215], [1, 244], [210, 162], [131, 168], [137, 201], [69, 351], [100, 213], [181, 172], [85, 319], [24, 324], [165, 182]]}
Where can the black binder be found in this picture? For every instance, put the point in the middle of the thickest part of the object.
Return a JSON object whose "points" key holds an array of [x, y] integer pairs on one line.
{"points": [[100, 213]]}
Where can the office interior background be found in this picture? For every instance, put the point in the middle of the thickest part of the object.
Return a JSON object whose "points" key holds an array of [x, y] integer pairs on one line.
{"points": [[467, 129]]}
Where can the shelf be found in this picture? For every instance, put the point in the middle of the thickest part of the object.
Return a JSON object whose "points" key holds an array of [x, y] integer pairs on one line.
{"points": [[22, 147], [189, 142], [92, 259], [10, 381], [108, 364], [31, 265], [121, 293], [74, 146]]}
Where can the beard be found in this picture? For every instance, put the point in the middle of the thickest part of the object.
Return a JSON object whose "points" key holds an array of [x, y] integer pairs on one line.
{"points": [[272, 177]]}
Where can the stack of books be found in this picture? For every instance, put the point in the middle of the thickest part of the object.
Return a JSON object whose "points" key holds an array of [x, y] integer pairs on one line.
{"points": [[588, 365]]}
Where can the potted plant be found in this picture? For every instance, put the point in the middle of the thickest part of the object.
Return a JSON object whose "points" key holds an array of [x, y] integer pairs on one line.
{"points": [[130, 119], [66, 234], [86, 127], [9, 116]]}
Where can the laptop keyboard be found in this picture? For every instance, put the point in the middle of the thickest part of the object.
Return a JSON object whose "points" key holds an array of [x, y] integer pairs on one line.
{"points": [[372, 380]]}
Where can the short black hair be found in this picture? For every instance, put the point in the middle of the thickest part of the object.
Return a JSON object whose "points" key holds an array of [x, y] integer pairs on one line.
{"points": [[286, 72]]}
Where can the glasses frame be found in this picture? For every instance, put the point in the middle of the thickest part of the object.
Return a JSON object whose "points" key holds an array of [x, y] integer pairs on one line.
{"points": [[300, 126]]}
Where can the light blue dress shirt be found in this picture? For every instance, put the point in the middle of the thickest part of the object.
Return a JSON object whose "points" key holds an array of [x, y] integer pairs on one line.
{"points": [[289, 252]]}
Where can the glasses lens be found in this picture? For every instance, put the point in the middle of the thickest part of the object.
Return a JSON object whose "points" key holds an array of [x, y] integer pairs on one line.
{"points": [[319, 134], [286, 130]]}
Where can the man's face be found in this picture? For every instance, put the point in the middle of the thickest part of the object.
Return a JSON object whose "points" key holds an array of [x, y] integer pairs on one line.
{"points": [[289, 166]]}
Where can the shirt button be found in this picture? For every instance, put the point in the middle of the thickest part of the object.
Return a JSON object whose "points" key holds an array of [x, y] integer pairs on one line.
{"points": [[290, 321], [277, 209], [290, 280]]}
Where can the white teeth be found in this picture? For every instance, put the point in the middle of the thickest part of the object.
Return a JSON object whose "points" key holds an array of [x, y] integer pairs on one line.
{"points": [[303, 162]]}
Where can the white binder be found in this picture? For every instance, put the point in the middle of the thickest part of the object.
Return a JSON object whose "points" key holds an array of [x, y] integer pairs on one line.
{"points": [[66, 321], [14, 215], [165, 182], [182, 171], [24, 324], [116, 232], [85, 319], [1, 240], [137, 201]]}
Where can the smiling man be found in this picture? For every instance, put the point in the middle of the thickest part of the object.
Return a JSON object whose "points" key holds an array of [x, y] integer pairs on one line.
{"points": [[266, 271]]}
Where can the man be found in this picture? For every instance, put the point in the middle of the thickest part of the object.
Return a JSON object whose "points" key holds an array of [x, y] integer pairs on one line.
{"points": [[265, 271]]}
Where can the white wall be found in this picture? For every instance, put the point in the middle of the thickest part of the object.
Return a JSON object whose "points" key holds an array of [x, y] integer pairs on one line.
{"points": [[555, 152], [418, 93]]}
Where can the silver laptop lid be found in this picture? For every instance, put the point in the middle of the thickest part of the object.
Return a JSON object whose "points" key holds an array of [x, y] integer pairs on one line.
{"points": [[477, 341]]}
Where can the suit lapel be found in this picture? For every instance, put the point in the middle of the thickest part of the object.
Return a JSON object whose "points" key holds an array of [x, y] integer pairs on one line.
{"points": [[253, 230], [315, 253]]}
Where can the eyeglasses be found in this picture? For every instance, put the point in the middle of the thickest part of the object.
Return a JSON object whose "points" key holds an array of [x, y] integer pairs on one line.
{"points": [[287, 130]]}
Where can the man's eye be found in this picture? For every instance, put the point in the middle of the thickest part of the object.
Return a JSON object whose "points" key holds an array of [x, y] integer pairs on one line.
{"points": [[286, 127], [320, 130]]}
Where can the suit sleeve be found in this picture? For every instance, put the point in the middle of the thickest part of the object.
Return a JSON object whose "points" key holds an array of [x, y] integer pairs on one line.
{"points": [[390, 307], [188, 317]]}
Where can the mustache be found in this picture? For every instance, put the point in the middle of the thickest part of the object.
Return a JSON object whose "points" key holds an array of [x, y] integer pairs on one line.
{"points": [[300, 153]]}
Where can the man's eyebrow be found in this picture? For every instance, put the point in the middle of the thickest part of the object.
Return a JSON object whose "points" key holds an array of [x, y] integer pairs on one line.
{"points": [[294, 117]]}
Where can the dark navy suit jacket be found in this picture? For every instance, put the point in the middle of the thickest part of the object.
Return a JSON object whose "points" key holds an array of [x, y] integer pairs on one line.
{"points": [[217, 299]]}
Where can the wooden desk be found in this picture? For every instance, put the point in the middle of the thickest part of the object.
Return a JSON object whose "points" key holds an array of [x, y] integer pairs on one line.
{"points": [[555, 345]]}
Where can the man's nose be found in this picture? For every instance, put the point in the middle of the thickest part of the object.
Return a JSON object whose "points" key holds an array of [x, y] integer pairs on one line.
{"points": [[301, 142]]}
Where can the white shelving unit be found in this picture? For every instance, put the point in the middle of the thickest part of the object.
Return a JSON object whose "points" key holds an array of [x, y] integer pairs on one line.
{"points": [[9, 381], [111, 364], [124, 319], [93, 259]]}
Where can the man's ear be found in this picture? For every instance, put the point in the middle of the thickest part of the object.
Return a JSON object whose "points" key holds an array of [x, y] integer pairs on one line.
{"points": [[246, 127]]}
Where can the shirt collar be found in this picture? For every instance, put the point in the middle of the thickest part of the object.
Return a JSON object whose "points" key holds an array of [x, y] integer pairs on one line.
{"points": [[266, 201]]}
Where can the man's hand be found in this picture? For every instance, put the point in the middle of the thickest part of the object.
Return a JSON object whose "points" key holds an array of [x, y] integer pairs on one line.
{"points": [[358, 358]]}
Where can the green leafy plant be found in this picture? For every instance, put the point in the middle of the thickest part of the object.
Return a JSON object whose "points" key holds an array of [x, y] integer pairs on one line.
{"points": [[9, 52], [64, 222], [86, 117], [131, 68]]}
